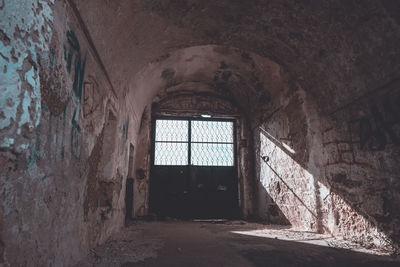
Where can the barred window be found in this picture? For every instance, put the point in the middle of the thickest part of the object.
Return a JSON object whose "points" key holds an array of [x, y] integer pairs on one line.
{"points": [[171, 142], [194, 142], [212, 143]]}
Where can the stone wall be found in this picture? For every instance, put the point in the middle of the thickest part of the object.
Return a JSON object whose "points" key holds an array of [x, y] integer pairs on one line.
{"points": [[287, 190], [361, 159], [63, 138], [326, 160], [336, 172]]}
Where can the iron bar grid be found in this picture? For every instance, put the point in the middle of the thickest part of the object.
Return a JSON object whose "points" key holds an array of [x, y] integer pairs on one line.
{"points": [[194, 142]]}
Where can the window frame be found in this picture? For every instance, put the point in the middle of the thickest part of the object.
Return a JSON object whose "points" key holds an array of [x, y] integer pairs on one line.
{"points": [[189, 142]]}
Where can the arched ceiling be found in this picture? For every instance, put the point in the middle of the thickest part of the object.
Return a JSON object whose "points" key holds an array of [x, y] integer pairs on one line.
{"points": [[336, 50], [254, 83]]}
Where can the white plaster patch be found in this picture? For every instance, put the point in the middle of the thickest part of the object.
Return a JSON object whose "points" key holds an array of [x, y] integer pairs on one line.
{"points": [[23, 42], [7, 142]]}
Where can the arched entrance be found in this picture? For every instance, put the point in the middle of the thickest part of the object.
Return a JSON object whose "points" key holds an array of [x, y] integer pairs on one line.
{"points": [[196, 169]]}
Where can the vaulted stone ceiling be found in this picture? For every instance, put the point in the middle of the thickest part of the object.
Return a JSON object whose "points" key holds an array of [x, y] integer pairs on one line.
{"points": [[326, 160], [336, 50]]}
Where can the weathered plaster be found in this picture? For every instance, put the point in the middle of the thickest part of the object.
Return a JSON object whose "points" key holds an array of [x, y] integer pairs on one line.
{"points": [[319, 77], [20, 45], [55, 99]]}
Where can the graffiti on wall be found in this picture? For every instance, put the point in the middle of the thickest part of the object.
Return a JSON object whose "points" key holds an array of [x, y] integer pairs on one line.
{"points": [[58, 104], [91, 97], [123, 129], [73, 57], [72, 53]]}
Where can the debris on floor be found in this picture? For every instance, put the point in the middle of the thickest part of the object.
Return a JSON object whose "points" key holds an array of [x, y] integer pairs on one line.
{"points": [[230, 244], [130, 245]]}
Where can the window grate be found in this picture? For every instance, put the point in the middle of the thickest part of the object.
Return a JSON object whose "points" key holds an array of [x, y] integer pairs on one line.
{"points": [[212, 143], [194, 142], [171, 142]]}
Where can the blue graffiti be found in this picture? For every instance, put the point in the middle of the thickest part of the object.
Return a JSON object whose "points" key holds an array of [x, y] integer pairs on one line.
{"points": [[75, 63], [79, 63]]}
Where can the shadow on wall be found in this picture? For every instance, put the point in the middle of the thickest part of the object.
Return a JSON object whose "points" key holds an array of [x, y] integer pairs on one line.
{"points": [[268, 209], [306, 202]]}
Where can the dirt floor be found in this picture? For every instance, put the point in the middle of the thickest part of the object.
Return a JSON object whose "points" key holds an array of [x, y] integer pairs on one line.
{"points": [[228, 243]]}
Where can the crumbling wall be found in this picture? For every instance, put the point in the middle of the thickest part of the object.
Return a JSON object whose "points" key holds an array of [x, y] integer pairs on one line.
{"points": [[57, 197], [334, 173], [361, 145], [286, 187], [142, 167]]}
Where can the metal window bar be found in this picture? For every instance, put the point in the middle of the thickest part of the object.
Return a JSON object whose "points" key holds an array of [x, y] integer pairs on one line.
{"points": [[212, 143], [171, 142], [194, 142]]}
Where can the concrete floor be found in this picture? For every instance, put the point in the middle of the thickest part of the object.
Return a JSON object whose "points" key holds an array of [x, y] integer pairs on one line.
{"points": [[230, 243]]}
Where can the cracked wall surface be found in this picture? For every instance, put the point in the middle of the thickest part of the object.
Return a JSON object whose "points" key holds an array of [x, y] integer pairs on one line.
{"points": [[58, 197], [317, 83], [334, 172]]}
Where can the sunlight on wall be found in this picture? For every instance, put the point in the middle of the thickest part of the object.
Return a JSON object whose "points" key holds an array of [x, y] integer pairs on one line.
{"points": [[305, 202], [290, 185]]}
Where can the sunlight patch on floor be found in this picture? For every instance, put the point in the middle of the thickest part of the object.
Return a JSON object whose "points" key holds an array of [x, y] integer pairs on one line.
{"points": [[309, 238]]}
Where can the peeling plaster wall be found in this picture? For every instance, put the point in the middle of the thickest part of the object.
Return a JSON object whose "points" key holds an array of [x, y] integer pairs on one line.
{"points": [[57, 201], [326, 138], [25, 35], [142, 166], [25, 32]]}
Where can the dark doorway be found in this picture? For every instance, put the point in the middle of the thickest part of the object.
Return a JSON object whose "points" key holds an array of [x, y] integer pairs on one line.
{"points": [[129, 186], [193, 172]]}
